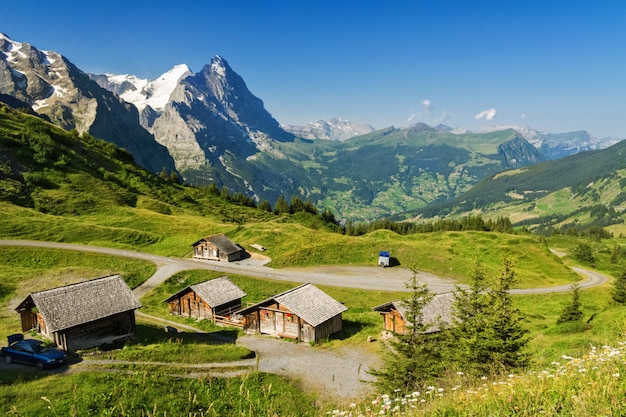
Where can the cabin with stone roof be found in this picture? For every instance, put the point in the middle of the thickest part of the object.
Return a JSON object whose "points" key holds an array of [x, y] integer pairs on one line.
{"points": [[82, 315], [438, 310], [217, 248], [304, 313], [206, 300]]}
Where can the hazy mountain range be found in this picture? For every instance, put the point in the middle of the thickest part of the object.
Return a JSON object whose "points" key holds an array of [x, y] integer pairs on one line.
{"points": [[209, 127]]}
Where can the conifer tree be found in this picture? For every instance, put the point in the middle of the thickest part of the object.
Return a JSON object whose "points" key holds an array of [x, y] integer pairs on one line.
{"points": [[619, 289], [572, 311], [415, 359], [487, 334], [506, 335], [470, 313]]}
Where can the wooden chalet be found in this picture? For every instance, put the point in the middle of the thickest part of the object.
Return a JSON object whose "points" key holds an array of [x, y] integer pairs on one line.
{"points": [[304, 313], [82, 315], [217, 248], [216, 297], [395, 317]]}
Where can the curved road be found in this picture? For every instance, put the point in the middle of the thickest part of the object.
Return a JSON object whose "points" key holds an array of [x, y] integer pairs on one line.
{"points": [[364, 277]]}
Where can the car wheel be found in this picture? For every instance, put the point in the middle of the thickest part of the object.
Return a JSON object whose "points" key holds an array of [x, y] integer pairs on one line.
{"points": [[39, 365], [8, 359]]}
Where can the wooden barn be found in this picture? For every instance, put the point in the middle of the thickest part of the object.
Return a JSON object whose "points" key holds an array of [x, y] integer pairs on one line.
{"points": [[216, 297], [217, 248], [395, 320], [83, 315], [304, 313]]}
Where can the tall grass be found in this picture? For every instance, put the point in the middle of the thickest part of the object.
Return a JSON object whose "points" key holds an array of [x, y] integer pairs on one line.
{"points": [[150, 394]]}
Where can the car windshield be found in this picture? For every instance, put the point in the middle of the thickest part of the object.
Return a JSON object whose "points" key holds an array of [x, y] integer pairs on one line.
{"points": [[38, 347]]}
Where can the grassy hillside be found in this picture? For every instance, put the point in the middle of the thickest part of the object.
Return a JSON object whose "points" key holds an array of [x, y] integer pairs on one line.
{"points": [[586, 188]]}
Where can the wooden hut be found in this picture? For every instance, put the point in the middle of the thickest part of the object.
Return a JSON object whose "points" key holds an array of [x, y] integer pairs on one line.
{"points": [[304, 313], [438, 309], [216, 297], [83, 315], [217, 248]]}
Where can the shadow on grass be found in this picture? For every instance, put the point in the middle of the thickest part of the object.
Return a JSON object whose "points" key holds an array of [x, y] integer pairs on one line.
{"points": [[154, 334], [349, 328]]}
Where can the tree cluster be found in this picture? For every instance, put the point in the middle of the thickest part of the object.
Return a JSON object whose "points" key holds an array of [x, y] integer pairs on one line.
{"points": [[468, 223], [487, 335]]}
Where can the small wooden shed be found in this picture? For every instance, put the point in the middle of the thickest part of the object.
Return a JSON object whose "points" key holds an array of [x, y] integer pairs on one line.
{"points": [[304, 313], [82, 315], [217, 248], [395, 318], [216, 297]]}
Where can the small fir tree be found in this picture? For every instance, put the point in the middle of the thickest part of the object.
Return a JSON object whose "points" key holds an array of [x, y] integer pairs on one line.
{"points": [[572, 311], [488, 335], [619, 289]]}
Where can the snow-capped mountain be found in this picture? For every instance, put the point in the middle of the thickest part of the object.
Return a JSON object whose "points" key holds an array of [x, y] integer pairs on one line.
{"points": [[335, 129], [58, 90], [143, 92]]}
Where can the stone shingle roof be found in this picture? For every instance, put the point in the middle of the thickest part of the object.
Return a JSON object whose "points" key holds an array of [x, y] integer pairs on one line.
{"points": [[307, 302], [81, 303], [214, 292]]}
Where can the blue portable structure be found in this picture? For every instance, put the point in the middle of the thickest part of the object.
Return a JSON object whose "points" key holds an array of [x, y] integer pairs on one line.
{"points": [[383, 259]]}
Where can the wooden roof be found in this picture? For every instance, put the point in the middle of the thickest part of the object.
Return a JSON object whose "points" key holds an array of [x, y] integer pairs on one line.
{"points": [[223, 243], [307, 302], [214, 292], [81, 303], [439, 307]]}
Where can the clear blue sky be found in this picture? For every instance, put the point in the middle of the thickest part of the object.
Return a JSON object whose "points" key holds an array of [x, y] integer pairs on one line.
{"points": [[552, 65]]}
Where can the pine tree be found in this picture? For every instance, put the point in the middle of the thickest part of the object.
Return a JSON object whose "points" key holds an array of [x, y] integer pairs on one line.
{"points": [[468, 333], [487, 335], [619, 289], [572, 311], [416, 358], [507, 336]]}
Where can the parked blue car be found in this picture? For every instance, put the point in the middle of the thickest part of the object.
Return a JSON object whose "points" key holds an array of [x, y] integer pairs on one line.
{"points": [[31, 352]]}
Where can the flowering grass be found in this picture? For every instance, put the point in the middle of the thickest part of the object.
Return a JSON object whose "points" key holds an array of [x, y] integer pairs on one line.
{"points": [[591, 385]]}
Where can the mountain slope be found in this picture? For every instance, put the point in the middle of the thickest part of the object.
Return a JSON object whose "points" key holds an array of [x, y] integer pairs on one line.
{"points": [[57, 89], [549, 193]]}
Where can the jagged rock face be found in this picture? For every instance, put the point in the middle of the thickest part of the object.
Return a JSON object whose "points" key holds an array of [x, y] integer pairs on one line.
{"points": [[213, 113], [335, 129], [519, 152], [57, 89]]}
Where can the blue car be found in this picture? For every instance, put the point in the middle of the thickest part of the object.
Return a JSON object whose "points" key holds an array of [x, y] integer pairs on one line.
{"points": [[31, 352]]}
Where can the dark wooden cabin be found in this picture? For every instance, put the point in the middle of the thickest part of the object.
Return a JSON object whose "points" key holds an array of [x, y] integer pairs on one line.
{"points": [[82, 315], [219, 296], [304, 313], [217, 248], [396, 321]]}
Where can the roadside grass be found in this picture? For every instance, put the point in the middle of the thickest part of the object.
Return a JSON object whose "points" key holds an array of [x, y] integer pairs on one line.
{"points": [[289, 244], [142, 393]]}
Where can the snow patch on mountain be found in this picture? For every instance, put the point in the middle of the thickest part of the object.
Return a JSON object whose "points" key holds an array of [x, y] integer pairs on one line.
{"points": [[337, 128], [143, 92]]}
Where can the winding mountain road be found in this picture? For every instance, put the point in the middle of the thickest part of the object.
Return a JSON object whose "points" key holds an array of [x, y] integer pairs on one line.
{"points": [[362, 277]]}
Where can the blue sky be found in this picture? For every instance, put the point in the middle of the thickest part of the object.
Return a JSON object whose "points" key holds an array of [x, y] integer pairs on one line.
{"points": [[556, 66]]}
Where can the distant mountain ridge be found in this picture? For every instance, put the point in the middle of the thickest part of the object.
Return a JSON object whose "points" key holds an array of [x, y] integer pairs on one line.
{"points": [[334, 129]]}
